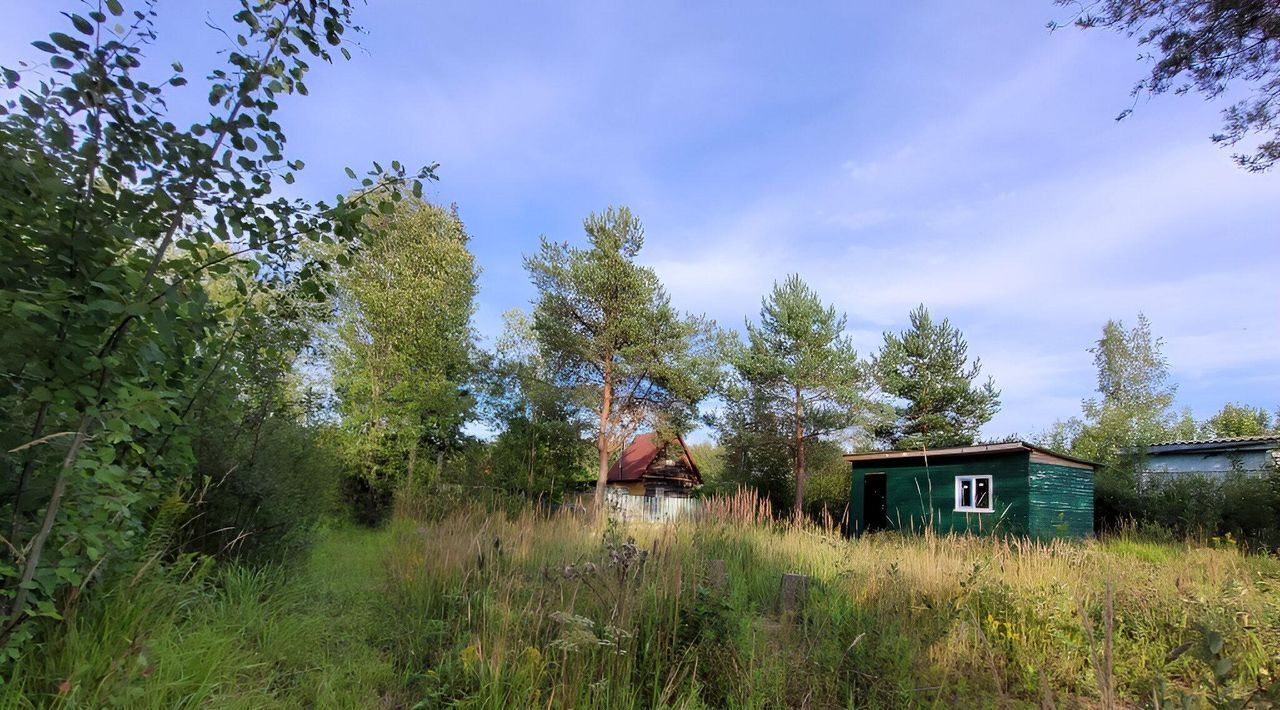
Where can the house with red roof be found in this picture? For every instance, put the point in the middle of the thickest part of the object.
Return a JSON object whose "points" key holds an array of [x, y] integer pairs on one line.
{"points": [[655, 466]]}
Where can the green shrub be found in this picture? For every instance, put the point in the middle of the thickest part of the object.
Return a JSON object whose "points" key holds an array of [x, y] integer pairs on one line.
{"points": [[1246, 507], [262, 498]]}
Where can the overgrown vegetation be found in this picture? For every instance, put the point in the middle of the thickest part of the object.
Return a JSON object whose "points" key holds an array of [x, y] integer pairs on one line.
{"points": [[211, 392], [1134, 409], [475, 609]]}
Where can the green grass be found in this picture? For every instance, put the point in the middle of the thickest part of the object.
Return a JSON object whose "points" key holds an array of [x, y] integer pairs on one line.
{"points": [[488, 611], [236, 637]]}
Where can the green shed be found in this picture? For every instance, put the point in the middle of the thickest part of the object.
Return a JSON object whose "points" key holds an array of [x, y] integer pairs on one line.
{"points": [[1015, 488]]}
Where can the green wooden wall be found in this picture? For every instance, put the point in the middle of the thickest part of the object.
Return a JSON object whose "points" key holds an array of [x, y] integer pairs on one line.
{"points": [[1061, 501], [1030, 498], [917, 496]]}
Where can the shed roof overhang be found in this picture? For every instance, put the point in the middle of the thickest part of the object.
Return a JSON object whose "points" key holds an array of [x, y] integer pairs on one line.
{"points": [[1037, 452]]}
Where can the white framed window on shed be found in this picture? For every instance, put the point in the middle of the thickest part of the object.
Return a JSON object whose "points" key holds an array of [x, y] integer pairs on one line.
{"points": [[974, 494]]}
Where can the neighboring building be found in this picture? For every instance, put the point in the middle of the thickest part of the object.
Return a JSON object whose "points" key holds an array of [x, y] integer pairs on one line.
{"points": [[651, 466], [1014, 488], [1252, 455], [654, 478]]}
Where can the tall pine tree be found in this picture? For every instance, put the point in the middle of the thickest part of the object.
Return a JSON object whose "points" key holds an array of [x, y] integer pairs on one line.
{"points": [[611, 338], [800, 373]]}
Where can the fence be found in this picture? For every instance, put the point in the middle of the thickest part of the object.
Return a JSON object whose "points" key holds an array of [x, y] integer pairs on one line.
{"points": [[654, 509]]}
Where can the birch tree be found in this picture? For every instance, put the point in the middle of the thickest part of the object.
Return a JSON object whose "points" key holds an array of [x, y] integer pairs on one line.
{"points": [[405, 346], [112, 219]]}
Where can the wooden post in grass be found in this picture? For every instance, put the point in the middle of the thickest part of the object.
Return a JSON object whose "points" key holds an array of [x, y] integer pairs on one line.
{"points": [[795, 587]]}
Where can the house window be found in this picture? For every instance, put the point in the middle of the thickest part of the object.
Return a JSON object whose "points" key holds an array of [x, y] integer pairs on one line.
{"points": [[973, 494]]}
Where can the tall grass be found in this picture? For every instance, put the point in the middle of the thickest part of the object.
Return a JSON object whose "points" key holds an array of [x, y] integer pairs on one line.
{"points": [[534, 610], [188, 635], [475, 609]]}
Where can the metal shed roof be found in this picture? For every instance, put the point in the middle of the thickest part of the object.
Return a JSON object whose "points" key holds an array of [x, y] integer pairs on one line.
{"points": [[974, 450], [1227, 443]]}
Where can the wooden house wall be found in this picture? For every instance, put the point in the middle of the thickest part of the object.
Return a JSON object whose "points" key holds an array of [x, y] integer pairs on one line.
{"points": [[917, 496], [1061, 501]]}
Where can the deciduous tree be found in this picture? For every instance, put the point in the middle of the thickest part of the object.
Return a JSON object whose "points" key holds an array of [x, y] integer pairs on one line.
{"points": [[541, 447], [405, 347], [112, 219], [1238, 420], [1135, 406]]}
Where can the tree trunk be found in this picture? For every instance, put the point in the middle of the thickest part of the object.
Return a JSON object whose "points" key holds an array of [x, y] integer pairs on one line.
{"points": [[36, 431], [602, 438], [800, 473]]}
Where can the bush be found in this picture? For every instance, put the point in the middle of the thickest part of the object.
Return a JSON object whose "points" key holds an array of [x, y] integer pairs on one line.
{"points": [[264, 497], [1245, 507], [1116, 504]]}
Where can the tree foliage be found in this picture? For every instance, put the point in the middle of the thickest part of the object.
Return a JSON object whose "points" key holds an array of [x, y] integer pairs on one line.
{"points": [[709, 457], [1211, 46], [405, 351], [927, 369], [610, 336], [796, 378], [264, 462], [1134, 409], [541, 447], [113, 221], [1239, 420], [1135, 406]]}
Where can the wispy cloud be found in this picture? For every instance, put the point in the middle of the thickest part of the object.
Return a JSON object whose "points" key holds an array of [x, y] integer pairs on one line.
{"points": [[957, 156]]}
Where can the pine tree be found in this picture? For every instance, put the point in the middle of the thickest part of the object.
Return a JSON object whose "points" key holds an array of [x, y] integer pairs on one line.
{"points": [[927, 369], [798, 372], [608, 332]]}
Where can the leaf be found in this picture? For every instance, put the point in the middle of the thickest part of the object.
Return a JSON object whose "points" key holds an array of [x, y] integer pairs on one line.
{"points": [[106, 306], [66, 41], [83, 25], [1176, 653], [1213, 642], [115, 8]]}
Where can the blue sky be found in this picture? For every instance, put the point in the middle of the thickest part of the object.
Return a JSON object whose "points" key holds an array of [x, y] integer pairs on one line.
{"points": [[955, 154]]}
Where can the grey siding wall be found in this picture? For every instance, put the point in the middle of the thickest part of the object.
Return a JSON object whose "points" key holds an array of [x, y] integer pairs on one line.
{"points": [[1159, 467]]}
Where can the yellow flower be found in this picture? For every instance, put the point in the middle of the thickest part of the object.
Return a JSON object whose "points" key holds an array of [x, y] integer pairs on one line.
{"points": [[470, 656]]}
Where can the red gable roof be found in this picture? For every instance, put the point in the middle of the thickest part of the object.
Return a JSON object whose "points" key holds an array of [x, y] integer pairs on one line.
{"points": [[640, 453]]}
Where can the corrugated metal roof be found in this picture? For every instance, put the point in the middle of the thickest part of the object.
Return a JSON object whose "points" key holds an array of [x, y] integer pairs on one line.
{"points": [[1221, 440]]}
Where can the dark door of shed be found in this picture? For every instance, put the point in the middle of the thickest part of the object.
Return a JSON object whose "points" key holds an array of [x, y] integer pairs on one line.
{"points": [[875, 512]]}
